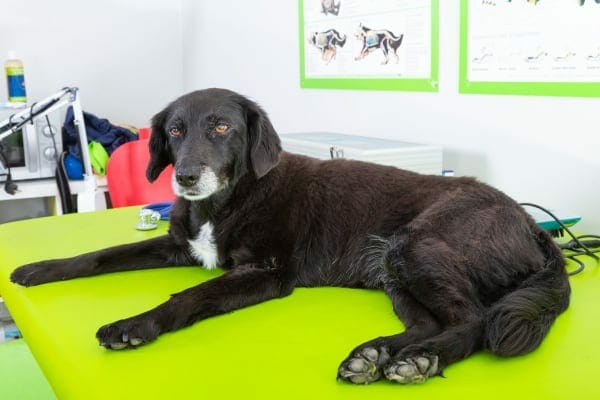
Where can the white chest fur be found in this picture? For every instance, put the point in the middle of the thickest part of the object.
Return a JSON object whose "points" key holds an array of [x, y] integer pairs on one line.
{"points": [[203, 248]]}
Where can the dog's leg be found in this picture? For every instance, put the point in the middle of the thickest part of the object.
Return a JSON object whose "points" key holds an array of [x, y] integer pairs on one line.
{"points": [[333, 54], [156, 252], [384, 48], [363, 53], [240, 287], [417, 362], [324, 54], [443, 318], [433, 272], [336, 8], [367, 362]]}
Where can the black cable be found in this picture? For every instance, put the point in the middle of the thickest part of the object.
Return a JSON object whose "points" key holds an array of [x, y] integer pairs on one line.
{"points": [[15, 125], [10, 122], [31, 111], [575, 247], [62, 180], [9, 186], [554, 217], [580, 267], [589, 236]]}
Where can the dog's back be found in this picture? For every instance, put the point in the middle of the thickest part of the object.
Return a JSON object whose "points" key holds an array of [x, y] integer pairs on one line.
{"points": [[332, 217]]}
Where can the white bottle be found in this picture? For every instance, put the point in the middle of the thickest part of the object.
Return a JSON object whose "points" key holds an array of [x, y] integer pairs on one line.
{"points": [[15, 79]]}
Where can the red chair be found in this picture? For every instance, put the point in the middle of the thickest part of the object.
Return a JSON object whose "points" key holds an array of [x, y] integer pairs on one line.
{"points": [[126, 175]]}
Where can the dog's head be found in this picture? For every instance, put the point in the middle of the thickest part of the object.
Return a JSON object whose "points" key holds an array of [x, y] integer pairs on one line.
{"points": [[361, 32], [212, 137]]}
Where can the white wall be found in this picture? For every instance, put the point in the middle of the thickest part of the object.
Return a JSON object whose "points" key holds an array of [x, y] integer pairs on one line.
{"points": [[124, 55], [538, 149], [131, 57]]}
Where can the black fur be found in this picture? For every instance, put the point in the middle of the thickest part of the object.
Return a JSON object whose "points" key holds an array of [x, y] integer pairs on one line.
{"points": [[464, 266]]}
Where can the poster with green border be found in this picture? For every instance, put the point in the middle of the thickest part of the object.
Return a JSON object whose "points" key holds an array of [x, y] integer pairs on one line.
{"points": [[540, 48], [369, 45]]}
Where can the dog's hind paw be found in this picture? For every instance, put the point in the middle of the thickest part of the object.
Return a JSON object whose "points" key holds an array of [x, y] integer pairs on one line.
{"points": [[364, 366], [127, 333], [413, 369]]}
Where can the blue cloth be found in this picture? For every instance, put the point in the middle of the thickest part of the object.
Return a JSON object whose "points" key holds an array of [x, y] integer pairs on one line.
{"points": [[98, 129], [163, 209]]}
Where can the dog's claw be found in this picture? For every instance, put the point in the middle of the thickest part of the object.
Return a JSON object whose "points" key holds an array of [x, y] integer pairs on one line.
{"points": [[118, 346], [128, 333]]}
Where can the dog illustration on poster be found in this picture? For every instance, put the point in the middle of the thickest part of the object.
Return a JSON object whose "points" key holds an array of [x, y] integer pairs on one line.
{"points": [[378, 39], [327, 42], [330, 7]]}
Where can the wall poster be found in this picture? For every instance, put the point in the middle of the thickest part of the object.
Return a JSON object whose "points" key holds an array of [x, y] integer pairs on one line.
{"points": [[357, 44], [530, 47]]}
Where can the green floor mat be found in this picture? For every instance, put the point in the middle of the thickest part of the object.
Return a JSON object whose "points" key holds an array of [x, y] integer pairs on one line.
{"points": [[20, 376]]}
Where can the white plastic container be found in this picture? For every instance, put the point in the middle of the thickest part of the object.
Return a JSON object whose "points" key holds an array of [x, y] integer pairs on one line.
{"points": [[422, 158], [15, 79]]}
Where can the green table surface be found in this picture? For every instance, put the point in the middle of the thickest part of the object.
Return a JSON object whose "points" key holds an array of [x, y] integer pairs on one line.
{"points": [[282, 349]]}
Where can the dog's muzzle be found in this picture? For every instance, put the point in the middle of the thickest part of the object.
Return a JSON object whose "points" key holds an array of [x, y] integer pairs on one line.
{"points": [[196, 185], [186, 180]]}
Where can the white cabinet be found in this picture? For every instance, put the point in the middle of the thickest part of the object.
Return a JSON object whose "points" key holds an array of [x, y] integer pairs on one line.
{"points": [[90, 193]]}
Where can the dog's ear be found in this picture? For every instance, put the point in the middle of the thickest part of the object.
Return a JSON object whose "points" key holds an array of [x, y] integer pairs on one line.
{"points": [[160, 156], [264, 143]]}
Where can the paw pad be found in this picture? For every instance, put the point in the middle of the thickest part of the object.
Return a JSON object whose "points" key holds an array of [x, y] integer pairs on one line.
{"points": [[412, 370], [364, 366]]}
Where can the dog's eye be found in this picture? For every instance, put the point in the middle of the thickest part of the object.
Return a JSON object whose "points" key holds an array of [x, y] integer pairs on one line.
{"points": [[221, 128], [174, 131]]}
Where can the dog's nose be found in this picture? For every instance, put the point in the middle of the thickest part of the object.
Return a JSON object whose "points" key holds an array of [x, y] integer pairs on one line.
{"points": [[187, 180]]}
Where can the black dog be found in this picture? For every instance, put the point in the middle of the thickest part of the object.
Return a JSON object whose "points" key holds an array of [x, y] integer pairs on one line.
{"points": [[464, 266]]}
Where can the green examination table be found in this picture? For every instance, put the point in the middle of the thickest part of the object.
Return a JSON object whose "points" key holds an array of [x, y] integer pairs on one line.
{"points": [[288, 348]]}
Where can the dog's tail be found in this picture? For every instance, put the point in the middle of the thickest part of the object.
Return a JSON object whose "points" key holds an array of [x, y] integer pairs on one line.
{"points": [[396, 41], [340, 39], [518, 322]]}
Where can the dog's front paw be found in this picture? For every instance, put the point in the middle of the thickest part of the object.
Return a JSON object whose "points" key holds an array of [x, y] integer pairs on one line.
{"points": [[34, 274], [412, 369], [128, 333], [364, 366]]}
